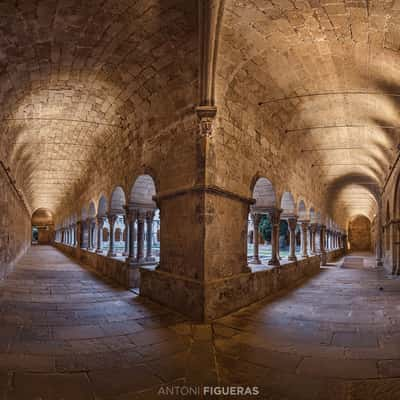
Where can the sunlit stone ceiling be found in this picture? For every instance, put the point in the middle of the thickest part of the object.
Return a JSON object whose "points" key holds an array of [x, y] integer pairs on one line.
{"points": [[326, 74], [77, 76]]}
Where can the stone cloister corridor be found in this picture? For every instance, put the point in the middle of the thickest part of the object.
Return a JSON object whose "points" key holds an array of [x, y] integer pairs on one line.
{"points": [[199, 195], [65, 333]]}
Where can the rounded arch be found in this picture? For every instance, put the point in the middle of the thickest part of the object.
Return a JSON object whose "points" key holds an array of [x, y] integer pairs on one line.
{"points": [[396, 199], [142, 192], [118, 201], [288, 205], [92, 210], [359, 228], [84, 213], [312, 215], [102, 208], [302, 211], [42, 216], [264, 193]]}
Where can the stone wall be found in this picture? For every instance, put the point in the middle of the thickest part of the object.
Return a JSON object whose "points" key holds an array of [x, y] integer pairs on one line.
{"points": [[15, 225], [116, 270], [360, 234], [222, 296], [334, 255]]}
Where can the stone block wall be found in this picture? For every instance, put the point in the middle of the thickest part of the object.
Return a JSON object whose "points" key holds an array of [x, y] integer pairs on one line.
{"points": [[15, 226], [116, 270], [223, 296]]}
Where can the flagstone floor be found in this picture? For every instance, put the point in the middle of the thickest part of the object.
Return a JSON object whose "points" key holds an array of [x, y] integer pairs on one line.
{"points": [[67, 334]]}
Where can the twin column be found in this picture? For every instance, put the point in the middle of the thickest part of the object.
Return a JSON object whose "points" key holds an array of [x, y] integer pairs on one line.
{"points": [[139, 217]]}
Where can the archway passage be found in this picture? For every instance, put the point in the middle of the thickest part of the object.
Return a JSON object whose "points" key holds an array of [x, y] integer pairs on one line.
{"points": [[42, 226], [360, 234]]}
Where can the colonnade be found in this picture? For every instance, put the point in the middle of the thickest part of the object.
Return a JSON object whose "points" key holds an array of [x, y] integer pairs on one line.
{"points": [[82, 235], [315, 238]]}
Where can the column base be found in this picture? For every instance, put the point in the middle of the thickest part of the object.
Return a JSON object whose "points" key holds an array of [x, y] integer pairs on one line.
{"points": [[255, 261], [292, 258], [274, 262], [379, 263], [99, 251], [304, 255], [109, 254]]}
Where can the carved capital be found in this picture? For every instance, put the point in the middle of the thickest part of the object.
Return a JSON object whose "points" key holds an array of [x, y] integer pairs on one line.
{"points": [[292, 223]]}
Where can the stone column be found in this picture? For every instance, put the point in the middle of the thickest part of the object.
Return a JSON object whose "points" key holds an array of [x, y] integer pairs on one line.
{"points": [[79, 234], [126, 250], [256, 218], [304, 229], [313, 231], [275, 216], [90, 234], [149, 236], [322, 244], [100, 225], [131, 216], [140, 237], [112, 219], [292, 224]]}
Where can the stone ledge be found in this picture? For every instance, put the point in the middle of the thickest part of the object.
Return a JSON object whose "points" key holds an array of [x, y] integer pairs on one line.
{"points": [[206, 301], [117, 270]]}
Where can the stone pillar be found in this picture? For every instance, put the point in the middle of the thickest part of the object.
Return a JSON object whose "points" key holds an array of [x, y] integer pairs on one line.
{"points": [[322, 244], [79, 234], [126, 250], [131, 216], [112, 219], [256, 218], [149, 236], [304, 229], [100, 225], [313, 231], [140, 237], [275, 216], [292, 224], [90, 233]]}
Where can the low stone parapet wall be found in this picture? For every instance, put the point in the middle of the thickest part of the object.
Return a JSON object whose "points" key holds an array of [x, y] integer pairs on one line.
{"points": [[117, 270], [334, 255], [224, 296]]}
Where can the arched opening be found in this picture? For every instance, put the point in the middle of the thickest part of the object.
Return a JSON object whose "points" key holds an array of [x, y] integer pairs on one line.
{"points": [[42, 226], [387, 227], [144, 216], [263, 225], [360, 233], [102, 226], [288, 227], [116, 223]]}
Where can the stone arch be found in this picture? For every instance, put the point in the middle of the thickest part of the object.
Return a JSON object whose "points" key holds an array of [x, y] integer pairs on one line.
{"points": [[117, 201], [302, 211], [264, 193], [359, 229], [312, 214], [102, 208], [142, 192], [387, 227], [84, 213], [288, 205], [92, 210]]}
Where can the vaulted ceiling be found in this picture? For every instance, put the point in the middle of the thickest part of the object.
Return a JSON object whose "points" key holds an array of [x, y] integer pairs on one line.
{"points": [[326, 76], [77, 77]]}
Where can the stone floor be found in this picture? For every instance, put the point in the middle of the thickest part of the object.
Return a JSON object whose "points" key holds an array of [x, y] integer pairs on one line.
{"points": [[66, 334]]}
